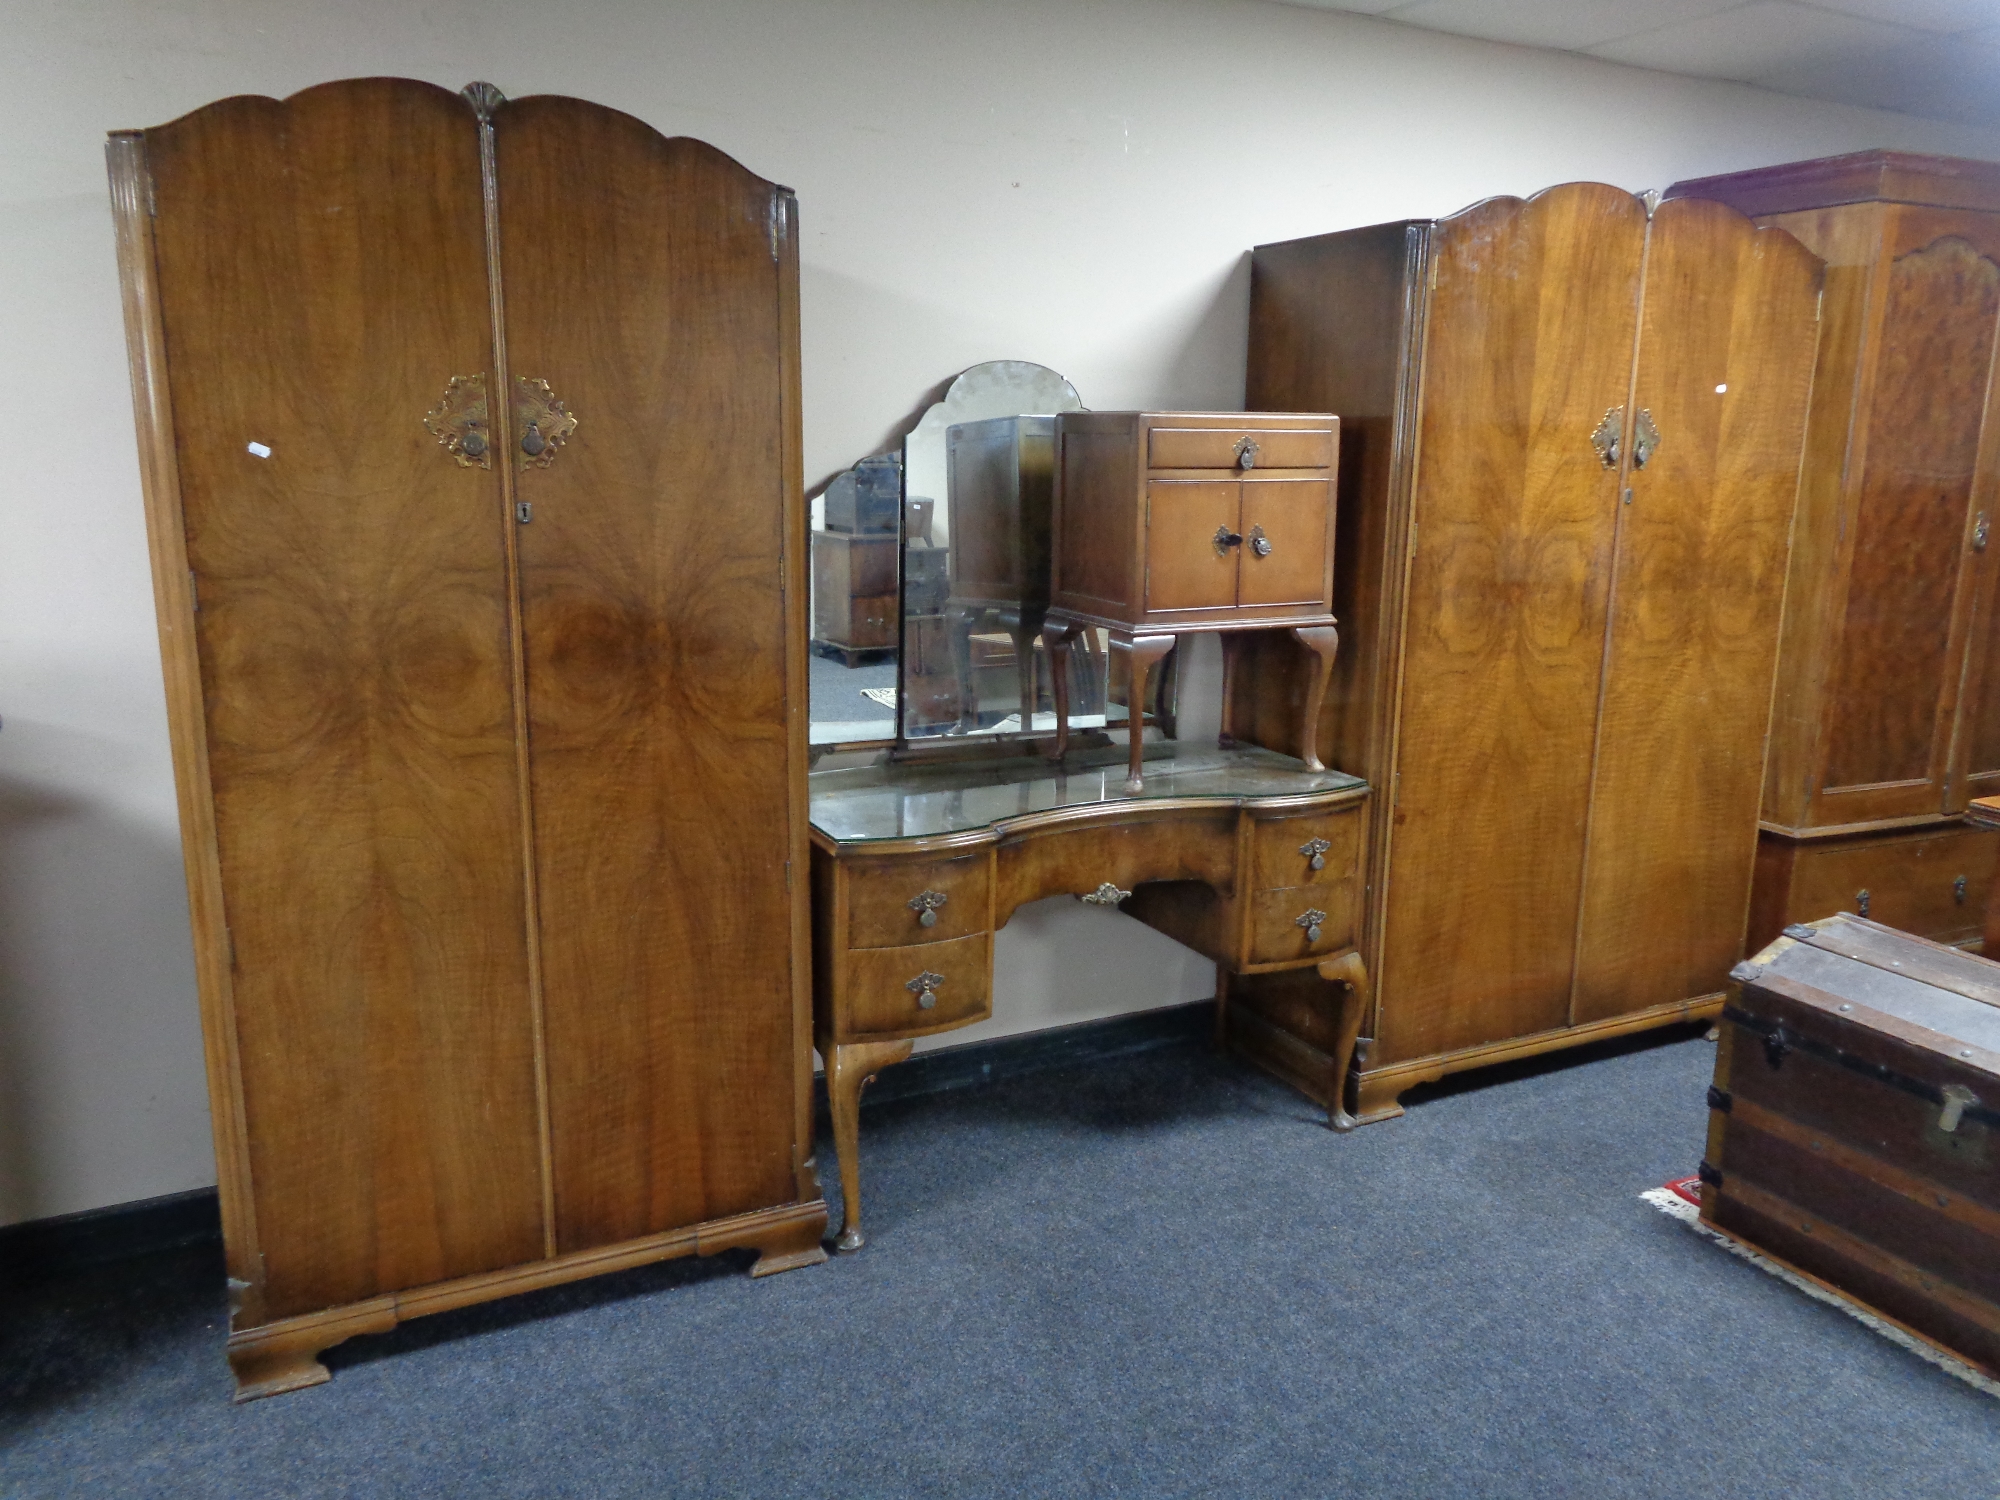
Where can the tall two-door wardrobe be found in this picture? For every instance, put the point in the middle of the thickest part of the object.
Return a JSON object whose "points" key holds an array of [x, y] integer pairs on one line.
{"points": [[1888, 710], [469, 436], [1571, 434]]}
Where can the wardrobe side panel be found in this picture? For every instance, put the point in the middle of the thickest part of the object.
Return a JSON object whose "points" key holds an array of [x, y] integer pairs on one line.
{"points": [[1530, 343], [322, 279], [642, 283], [1726, 345]]}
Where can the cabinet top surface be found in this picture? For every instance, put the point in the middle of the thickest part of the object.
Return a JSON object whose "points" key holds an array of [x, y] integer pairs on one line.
{"points": [[1863, 177], [879, 804]]}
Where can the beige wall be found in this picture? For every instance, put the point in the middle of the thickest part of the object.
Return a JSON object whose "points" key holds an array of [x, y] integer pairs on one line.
{"points": [[1068, 181]]}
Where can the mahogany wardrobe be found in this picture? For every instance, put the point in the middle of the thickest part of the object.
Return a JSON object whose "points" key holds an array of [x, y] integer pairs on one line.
{"points": [[1888, 709], [1571, 430], [469, 435]]}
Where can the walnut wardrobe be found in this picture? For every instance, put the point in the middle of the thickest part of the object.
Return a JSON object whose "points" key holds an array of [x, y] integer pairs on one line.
{"points": [[469, 436], [1571, 431]]}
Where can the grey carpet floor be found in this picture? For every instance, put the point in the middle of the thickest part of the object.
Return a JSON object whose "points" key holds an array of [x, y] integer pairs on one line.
{"points": [[1152, 1277]]}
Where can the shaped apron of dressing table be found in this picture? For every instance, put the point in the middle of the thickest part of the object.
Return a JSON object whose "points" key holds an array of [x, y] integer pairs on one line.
{"points": [[1249, 857]]}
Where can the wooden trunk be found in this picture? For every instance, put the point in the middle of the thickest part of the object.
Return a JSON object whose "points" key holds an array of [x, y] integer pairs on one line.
{"points": [[1888, 710], [1855, 1125], [489, 768], [1571, 436]]}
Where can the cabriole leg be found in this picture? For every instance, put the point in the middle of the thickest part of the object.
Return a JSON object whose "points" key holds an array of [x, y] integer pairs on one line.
{"points": [[848, 1068], [1349, 971], [1323, 641]]}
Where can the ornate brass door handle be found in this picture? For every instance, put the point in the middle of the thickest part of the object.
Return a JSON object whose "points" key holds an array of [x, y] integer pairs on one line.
{"points": [[1312, 919], [543, 422], [458, 422], [1225, 539], [926, 904], [1645, 438], [1315, 852], [1604, 437], [925, 988], [1106, 894], [1247, 449]]}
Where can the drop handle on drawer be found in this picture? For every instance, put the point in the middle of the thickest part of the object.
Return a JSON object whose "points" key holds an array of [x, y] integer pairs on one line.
{"points": [[1958, 888], [925, 988], [1315, 852], [1312, 920], [925, 904], [1106, 894], [1861, 902], [1247, 449]]}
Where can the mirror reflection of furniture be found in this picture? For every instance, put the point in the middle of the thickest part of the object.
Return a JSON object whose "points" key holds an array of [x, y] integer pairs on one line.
{"points": [[971, 643], [856, 611], [1168, 523]]}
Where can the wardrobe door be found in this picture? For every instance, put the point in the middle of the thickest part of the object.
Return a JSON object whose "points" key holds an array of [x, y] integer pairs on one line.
{"points": [[1529, 344], [322, 280], [1894, 678], [1726, 344], [643, 284]]}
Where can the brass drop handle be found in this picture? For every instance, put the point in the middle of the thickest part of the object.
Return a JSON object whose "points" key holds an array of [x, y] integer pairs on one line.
{"points": [[1861, 902], [1259, 543], [925, 904], [1645, 438], [1312, 920], [473, 445], [545, 423], [1958, 888], [1980, 529], [1225, 539], [1604, 437], [532, 441], [1246, 452], [1315, 852], [925, 988], [1106, 894]]}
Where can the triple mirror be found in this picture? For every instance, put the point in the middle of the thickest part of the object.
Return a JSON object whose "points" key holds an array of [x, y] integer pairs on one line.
{"points": [[930, 578]]}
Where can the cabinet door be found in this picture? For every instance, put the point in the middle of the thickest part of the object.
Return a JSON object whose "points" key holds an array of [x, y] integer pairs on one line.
{"points": [[322, 273], [1529, 344], [1289, 518], [644, 284], [1896, 665], [1726, 347], [1185, 566]]}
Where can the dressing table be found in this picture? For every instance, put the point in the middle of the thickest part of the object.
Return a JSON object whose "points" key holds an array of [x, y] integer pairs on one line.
{"points": [[1250, 857]]}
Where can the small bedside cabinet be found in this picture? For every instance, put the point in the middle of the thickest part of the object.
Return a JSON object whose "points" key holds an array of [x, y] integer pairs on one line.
{"points": [[1168, 523]]}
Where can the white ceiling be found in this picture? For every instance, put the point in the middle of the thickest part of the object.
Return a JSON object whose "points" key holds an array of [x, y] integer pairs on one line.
{"points": [[1935, 58]]}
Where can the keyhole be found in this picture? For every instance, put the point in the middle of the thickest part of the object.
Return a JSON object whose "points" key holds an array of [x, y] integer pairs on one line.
{"points": [[532, 441]]}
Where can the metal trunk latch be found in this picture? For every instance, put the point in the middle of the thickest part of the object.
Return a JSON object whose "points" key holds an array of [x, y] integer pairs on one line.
{"points": [[1956, 1097]]}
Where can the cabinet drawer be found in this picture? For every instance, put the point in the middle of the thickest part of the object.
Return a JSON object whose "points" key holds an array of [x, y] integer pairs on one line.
{"points": [[886, 989], [1217, 447], [1912, 883], [879, 897], [1276, 930], [1283, 849], [1198, 846]]}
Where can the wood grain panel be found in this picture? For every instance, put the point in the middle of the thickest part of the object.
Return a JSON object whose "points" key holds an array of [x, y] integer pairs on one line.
{"points": [[880, 1001], [1294, 515], [1531, 327], [1184, 569], [1894, 684], [642, 280], [1726, 347], [321, 268], [1278, 848], [1275, 933], [1912, 880]]}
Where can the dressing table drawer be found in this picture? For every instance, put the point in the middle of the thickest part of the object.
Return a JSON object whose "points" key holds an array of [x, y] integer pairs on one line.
{"points": [[1170, 447], [1123, 855], [1280, 931], [887, 902], [1284, 848], [922, 988]]}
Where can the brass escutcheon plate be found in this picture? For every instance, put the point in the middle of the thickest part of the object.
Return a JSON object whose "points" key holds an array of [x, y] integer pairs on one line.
{"points": [[458, 422]]}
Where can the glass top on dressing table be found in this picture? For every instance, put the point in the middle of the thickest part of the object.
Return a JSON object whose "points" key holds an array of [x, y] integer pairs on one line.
{"points": [[914, 800]]}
